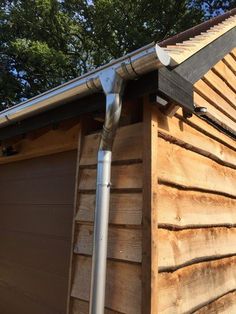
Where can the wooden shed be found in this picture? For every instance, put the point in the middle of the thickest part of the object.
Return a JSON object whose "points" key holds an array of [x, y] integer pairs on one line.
{"points": [[172, 220]]}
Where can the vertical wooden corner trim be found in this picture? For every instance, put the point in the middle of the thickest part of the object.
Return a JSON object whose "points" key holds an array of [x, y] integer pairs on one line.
{"points": [[70, 275], [149, 226]]}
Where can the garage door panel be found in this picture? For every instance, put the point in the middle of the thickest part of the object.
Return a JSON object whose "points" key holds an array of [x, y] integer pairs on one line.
{"points": [[47, 254], [36, 208], [35, 284], [12, 302], [43, 190], [37, 167], [37, 219]]}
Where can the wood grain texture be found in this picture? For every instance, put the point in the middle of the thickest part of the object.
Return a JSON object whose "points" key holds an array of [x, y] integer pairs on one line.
{"points": [[222, 118], [125, 208], [226, 73], [178, 248], [82, 307], [223, 305], [215, 98], [44, 142], [207, 129], [221, 87], [123, 288], [185, 209], [150, 213], [230, 62], [126, 145], [192, 287], [123, 244], [122, 177], [189, 169], [181, 133]]}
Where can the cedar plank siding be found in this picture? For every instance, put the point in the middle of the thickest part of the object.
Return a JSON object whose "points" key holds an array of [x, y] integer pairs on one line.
{"points": [[197, 201]]}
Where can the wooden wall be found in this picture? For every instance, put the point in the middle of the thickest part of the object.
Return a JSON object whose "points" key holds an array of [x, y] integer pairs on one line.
{"points": [[216, 91], [123, 291], [197, 202], [172, 229]]}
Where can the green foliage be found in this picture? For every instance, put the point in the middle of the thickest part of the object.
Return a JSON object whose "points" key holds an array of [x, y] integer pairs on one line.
{"points": [[47, 42]]}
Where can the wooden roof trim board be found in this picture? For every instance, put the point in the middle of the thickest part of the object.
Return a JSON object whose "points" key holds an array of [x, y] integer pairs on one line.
{"points": [[181, 51]]}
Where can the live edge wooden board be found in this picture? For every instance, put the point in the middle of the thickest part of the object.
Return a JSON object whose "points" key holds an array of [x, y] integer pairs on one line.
{"points": [[172, 227], [172, 222]]}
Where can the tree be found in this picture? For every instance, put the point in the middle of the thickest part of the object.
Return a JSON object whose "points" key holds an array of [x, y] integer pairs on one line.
{"points": [[47, 42]]}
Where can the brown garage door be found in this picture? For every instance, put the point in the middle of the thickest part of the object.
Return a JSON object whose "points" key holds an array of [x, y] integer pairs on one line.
{"points": [[36, 198]]}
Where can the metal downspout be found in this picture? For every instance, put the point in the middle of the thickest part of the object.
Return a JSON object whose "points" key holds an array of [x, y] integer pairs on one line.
{"points": [[113, 86]]}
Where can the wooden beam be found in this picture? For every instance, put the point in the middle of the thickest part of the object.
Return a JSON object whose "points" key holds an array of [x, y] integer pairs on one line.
{"points": [[196, 66], [150, 236], [94, 103], [79, 149], [176, 88]]}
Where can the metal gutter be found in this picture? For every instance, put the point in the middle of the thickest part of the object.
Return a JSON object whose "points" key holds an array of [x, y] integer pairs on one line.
{"points": [[111, 80], [137, 63]]}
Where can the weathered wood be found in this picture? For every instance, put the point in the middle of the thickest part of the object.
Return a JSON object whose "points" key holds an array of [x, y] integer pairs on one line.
{"points": [[215, 98], [126, 145], [178, 248], [175, 88], [187, 136], [221, 87], [46, 143], [223, 120], [123, 244], [224, 305], [185, 209], [150, 196], [125, 208], [192, 287], [82, 307], [123, 287], [122, 177], [189, 169]]}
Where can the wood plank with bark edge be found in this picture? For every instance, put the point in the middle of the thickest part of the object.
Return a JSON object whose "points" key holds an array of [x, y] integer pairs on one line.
{"points": [[188, 169], [79, 149], [222, 118], [82, 307], [43, 142], [207, 129], [190, 288], [122, 177], [123, 243], [215, 99], [123, 285], [150, 192], [126, 145], [221, 87], [125, 208], [231, 62], [194, 209], [185, 247], [185, 135], [223, 305], [226, 74]]}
